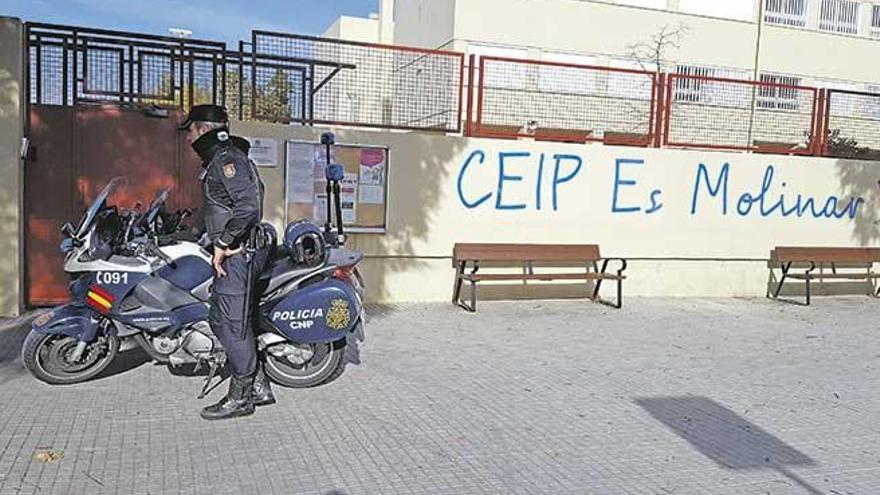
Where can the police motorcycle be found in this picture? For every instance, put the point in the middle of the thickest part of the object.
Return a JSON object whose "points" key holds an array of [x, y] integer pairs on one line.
{"points": [[135, 284]]}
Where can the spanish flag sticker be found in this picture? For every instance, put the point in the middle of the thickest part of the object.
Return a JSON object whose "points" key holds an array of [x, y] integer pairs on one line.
{"points": [[99, 299]]}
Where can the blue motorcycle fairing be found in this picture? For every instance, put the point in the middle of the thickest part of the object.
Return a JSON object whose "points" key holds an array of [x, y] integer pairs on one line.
{"points": [[118, 283], [318, 313], [166, 321], [189, 273], [73, 320]]}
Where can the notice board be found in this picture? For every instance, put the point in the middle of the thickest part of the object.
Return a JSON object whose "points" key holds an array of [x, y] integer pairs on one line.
{"points": [[363, 191]]}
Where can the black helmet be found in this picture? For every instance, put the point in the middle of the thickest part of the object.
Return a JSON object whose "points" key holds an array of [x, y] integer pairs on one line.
{"points": [[304, 243]]}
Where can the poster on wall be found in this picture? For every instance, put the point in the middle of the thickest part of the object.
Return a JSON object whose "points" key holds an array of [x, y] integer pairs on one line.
{"points": [[362, 190], [372, 176], [263, 151]]}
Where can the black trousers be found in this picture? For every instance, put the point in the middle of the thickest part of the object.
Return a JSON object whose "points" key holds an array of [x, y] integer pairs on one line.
{"points": [[233, 305]]}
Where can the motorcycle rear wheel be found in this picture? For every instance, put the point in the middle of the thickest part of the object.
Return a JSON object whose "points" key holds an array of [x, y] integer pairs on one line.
{"points": [[327, 363], [47, 358]]}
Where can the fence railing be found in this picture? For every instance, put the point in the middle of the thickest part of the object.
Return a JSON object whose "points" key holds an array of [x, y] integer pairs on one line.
{"points": [[68, 65], [564, 102], [370, 84], [851, 125], [306, 80], [276, 77], [719, 113]]}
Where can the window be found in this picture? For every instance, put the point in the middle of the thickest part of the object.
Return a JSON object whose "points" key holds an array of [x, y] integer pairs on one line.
{"points": [[786, 12], [569, 80], [712, 91], [689, 89], [776, 97], [839, 16], [873, 107], [875, 21]]}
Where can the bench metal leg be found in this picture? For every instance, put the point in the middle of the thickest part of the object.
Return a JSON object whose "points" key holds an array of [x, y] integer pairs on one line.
{"points": [[472, 307], [456, 290], [599, 280], [808, 288], [785, 269], [619, 293], [473, 296], [808, 277]]}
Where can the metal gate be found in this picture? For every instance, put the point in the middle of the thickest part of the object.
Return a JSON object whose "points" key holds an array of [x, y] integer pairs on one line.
{"points": [[106, 104], [76, 151]]}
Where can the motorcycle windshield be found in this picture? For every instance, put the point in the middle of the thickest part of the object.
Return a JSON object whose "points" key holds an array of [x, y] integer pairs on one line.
{"points": [[156, 205], [100, 201]]}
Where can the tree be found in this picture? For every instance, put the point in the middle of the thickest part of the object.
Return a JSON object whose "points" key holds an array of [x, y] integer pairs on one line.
{"points": [[274, 98], [652, 54], [164, 94], [233, 99]]}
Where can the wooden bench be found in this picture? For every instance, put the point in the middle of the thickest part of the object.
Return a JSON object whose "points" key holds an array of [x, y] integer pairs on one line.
{"points": [[563, 135], [626, 139], [838, 258], [473, 257], [777, 147]]}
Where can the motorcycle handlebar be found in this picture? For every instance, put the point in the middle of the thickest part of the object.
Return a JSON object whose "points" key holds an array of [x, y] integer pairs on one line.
{"points": [[154, 248]]}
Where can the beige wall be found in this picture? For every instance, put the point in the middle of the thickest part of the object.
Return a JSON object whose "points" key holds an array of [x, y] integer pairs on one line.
{"points": [[11, 128], [608, 30], [425, 23], [675, 252], [357, 29], [354, 29]]}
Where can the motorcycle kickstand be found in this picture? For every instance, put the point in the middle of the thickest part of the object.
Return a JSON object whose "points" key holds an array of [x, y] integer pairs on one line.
{"points": [[211, 374]]}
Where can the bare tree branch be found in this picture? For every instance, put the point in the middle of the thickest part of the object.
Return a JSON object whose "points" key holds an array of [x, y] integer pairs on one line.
{"points": [[655, 50]]}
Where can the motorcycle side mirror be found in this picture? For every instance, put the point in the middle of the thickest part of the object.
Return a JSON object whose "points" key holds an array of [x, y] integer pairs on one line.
{"points": [[327, 138], [334, 172]]}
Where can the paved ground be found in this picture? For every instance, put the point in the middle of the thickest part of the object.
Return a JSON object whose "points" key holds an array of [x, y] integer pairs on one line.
{"points": [[663, 397]]}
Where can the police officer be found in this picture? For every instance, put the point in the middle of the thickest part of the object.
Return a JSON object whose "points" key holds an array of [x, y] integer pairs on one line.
{"points": [[233, 207]]}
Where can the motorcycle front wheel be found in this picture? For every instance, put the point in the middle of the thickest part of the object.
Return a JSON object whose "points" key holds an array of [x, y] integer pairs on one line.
{"points": [[326, 363], [48, 357]]}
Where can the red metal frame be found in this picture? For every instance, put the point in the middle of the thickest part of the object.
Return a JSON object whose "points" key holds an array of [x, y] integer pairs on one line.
{"points": [[477, 127], [468, 127], [670, 83], [399, 48]]}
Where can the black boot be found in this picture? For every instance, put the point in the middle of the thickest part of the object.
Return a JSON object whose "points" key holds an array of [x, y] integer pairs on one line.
{"points": [[239, 401], [263, 395]]}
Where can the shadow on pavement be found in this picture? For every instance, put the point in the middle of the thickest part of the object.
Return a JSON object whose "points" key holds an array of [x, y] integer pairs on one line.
{"points": [[13, 331], [725, 437]]}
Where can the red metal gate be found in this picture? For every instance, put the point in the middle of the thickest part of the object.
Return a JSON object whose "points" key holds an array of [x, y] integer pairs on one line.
{"points": [[76, 151]]}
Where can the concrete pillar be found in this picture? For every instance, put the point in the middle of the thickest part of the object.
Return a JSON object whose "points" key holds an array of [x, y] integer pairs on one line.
{"points": [[386, 22], [12, 99], [814, 7], [866, 10]]}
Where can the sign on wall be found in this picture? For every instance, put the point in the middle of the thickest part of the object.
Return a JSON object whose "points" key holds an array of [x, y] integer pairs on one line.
{"points": [[263, 151], [363, 190]]}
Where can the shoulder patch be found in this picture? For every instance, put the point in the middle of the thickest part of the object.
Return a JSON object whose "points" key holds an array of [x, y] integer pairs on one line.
{"points": [[229, 170]]}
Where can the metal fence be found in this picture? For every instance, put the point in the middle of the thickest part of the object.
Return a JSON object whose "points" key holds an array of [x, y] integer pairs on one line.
{"points": [[69, 65], [851, 124], [359, 83], [719, 113], [275, 77], [307, 80], [564, 102]]}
